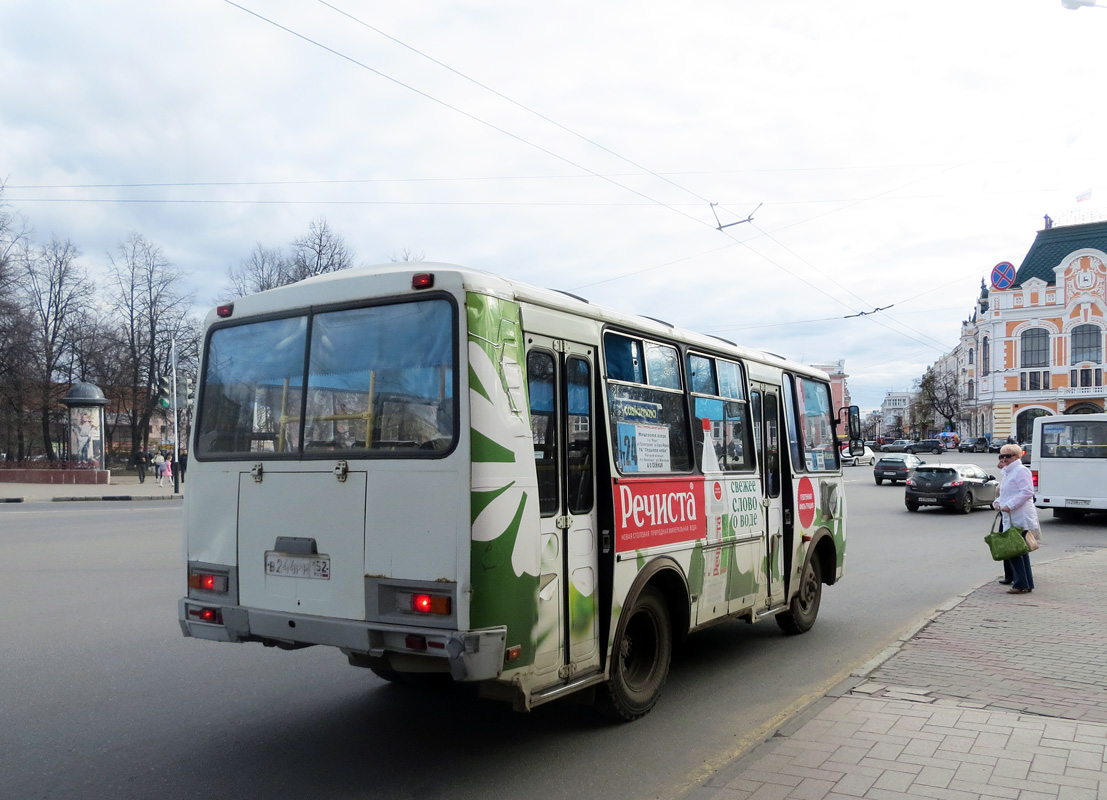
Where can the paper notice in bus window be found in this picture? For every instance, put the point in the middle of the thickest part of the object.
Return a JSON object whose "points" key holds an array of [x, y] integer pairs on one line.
{"points": [[643, 448]]}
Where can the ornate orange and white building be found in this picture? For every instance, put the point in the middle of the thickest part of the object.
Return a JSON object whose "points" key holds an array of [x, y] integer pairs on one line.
{"points": [[1035, 343]]}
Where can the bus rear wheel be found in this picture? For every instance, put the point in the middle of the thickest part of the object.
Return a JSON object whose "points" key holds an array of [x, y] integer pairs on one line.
{"points": [[640, 662], [804, 607]]}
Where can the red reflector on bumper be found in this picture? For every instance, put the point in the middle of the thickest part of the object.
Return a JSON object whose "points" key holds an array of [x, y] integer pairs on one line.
{"points": [[212, 615]]}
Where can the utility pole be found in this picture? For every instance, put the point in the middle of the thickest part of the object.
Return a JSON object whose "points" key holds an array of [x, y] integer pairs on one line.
{"points": [[176, 433]]}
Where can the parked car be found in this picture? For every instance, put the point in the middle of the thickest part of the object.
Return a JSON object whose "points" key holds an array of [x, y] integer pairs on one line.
{"points": [[974, 444], [1026, 452], [898, 446], [868, 457], [871, 443], [895, 467], [960, 487], [925, 446]]}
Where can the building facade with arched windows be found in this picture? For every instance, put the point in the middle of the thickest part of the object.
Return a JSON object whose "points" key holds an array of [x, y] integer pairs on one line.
{"points": [[1036, 343]]}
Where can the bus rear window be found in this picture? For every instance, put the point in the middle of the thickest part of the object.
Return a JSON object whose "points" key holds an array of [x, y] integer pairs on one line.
{"points": [[359, 382]]}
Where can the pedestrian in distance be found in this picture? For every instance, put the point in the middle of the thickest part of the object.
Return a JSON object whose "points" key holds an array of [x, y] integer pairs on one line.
{"points": [[162, 466], [1016, 503], [140, 465], [182, 464]]}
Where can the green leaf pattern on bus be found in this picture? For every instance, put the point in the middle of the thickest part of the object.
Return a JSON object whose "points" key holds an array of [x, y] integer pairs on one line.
{"points": [[504, 557]]}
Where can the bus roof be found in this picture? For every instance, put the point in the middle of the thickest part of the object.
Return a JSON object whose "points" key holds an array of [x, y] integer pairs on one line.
{"points": [[395, 279]]}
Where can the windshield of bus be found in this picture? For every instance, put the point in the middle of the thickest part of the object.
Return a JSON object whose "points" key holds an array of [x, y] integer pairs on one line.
{"points": [[362, 382]]}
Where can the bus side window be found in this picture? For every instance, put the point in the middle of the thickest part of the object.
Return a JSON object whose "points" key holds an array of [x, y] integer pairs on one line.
{"points": [[772, 446], [543, 427], [578, 382]]}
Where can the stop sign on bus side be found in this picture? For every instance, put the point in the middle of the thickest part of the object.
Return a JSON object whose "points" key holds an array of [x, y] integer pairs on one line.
{"points": [[805, 499]]}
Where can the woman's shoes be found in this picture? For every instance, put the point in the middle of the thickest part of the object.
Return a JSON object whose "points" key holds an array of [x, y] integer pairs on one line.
{"points": [[1018, 591]]}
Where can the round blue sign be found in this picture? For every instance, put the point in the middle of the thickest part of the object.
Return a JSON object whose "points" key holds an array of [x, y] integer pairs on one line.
{"points": [[1003, 275]]}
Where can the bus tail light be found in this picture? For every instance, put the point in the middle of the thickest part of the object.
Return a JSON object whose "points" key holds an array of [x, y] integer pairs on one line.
{"points": [[424, 280], [208, 581], [1034, 477], [431, 604], [224, 310]]}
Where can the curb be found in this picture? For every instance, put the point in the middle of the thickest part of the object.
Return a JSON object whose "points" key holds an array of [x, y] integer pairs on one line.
{"points": [[109, 498]]}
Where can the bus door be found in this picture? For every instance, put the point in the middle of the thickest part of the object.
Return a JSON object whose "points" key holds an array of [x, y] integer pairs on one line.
{"points": [[560, 383], [765, 400]]}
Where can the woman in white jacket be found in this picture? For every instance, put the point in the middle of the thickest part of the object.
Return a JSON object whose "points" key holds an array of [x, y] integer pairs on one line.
{"points": [[1016, 502]]}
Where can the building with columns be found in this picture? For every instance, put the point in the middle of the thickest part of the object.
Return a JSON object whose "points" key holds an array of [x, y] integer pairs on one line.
{"points": [[895, 415], [1035, 342]]}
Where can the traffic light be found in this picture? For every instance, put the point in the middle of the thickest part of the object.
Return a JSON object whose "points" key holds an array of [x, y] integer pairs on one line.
{"points": [[165, 391], [190, 391]]}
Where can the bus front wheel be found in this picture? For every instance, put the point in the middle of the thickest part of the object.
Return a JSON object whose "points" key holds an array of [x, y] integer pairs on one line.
{"points": [[804, 607], [640, 662]]}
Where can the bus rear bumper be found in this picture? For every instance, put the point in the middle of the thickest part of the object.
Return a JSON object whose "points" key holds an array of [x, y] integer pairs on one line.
{"points": [[470, 655]]}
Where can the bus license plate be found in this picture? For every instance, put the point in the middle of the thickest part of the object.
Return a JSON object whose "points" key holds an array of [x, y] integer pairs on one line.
{"points": [[314, 566], [1071, 502]]}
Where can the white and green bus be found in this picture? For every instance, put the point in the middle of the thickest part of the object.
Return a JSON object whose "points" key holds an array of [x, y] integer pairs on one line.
{"points": [[445, 472]]}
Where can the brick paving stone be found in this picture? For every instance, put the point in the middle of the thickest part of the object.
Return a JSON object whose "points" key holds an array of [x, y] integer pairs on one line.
{"points": [[985, 789], [812, 789], [855, 785]]}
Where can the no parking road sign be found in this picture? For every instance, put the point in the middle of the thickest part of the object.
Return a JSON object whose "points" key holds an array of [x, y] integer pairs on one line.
{"points": [[1003, 275]]}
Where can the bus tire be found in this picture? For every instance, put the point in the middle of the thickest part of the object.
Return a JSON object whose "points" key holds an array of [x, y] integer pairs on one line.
{"points": [[640, 661], [386, 673], [804, 607]]}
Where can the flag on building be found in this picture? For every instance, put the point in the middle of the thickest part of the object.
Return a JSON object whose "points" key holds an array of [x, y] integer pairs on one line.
{"points": [[1080, 198]]}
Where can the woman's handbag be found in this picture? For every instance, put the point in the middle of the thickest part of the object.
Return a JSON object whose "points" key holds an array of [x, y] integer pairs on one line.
{"points": [[1006, 544], [1031, 541]]}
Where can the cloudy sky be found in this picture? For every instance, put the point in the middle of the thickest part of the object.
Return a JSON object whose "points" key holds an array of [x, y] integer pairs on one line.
{"points": [[894, 151]]}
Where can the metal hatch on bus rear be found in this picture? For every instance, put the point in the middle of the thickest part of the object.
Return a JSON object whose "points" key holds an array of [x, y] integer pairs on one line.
{"points": [[301, 542]]}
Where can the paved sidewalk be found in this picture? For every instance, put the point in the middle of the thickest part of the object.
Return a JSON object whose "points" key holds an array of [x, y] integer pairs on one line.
{"points": [[995, 696], [122, 487]]}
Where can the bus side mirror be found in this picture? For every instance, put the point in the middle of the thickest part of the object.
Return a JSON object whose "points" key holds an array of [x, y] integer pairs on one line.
{"points": [[853, 423]]}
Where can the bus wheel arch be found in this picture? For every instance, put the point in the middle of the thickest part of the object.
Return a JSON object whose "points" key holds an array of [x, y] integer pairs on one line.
{"points": [[638, 663], [803, 608]]}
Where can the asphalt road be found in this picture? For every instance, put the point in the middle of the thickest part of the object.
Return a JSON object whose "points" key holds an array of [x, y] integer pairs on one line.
{"points": [[101, 696]]}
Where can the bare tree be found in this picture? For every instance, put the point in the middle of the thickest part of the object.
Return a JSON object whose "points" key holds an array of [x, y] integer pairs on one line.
{"points": [[264, 269], [939, 398], [151, 313], [408, 255], [319, 252], [57, 290], [15, 337]]}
